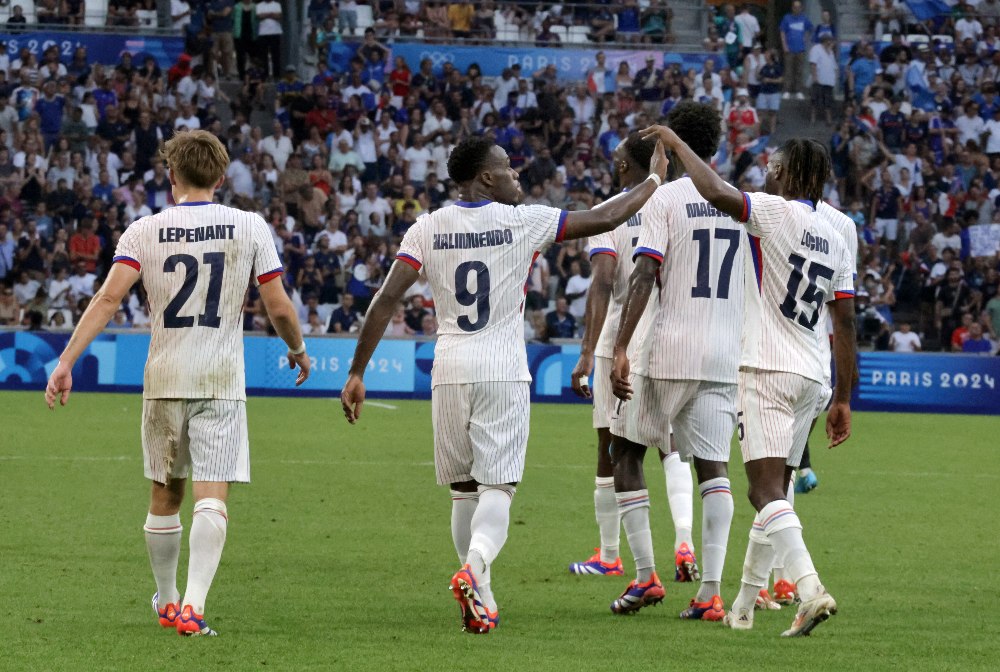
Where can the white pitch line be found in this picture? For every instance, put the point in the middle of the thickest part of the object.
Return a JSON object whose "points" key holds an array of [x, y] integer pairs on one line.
{"points": [[379, 404]]}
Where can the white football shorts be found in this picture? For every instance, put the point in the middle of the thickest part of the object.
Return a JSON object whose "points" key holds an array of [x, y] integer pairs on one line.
{"points": [[823, 402], [480, 431], [204, 438], [701, 413], [776, 410], [604, 398]]}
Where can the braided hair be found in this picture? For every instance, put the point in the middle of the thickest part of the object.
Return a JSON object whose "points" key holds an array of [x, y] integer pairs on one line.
{"points": [[807, 166]]}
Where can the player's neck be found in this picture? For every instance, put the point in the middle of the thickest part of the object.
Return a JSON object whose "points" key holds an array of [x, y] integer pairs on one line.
{"points": [[184, 195]]}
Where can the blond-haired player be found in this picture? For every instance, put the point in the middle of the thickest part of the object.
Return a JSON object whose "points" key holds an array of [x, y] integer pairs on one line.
{"points": [[194, 261]]}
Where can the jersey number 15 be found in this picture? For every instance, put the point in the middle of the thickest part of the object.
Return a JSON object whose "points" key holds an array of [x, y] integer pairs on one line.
{"points": [[812, 296]]}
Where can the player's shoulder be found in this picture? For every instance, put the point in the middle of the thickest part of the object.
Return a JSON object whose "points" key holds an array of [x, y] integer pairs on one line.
{"points": [[840, 222]]}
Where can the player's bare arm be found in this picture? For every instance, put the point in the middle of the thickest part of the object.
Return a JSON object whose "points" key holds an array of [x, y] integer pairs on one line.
{"points": [[99, 312], [716, 191], [640, 286], [603, 271], [401, 277], [609, 214], [281, 312], [838, 420]]}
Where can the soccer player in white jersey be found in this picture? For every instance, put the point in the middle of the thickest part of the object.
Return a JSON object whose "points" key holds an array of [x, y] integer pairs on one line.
{"points": [[800, 267], [477, 255], [784, 589], [611, 259], [195, 261], [684, 373]]}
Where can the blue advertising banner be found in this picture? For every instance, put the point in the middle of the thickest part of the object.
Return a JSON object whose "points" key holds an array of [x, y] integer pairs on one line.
{"points": [[928, 383], [114, 362], [571, 64], [101, 47]]}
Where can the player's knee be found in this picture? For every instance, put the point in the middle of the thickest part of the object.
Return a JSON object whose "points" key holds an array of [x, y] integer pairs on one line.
{"points": [[709, 469], [761, 496], [165, 499]]}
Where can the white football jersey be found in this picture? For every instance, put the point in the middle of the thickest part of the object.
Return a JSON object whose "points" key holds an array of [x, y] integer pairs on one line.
{"points": [[799, 263], [477, 257], [620, 243], [696, 332], [196, 261], [848, 230]]}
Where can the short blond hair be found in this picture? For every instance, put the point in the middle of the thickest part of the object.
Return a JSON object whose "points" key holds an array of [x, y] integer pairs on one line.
{"points": [[197, 158]]}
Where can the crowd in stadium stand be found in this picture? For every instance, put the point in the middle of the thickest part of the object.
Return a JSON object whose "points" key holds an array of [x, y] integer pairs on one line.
{"points": [[351, 158]]}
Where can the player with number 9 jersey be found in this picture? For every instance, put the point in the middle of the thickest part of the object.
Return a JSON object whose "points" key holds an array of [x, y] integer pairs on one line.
{"points": [[477, 254]]}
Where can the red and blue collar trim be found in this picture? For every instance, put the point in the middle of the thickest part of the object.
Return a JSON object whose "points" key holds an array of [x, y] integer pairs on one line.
{"points": [[471, 204]]}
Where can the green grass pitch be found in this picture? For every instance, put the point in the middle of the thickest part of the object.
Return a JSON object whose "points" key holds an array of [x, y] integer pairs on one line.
{"points": [[339, 554]]}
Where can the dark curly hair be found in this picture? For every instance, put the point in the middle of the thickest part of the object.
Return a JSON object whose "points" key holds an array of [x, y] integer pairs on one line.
{"points": [[639, 150], [807, 165], [698, 125], [468, 158]]}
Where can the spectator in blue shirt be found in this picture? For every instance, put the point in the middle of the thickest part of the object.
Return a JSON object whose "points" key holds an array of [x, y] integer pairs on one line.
{"points": [[50, 110], [343, 318], [824, 28], [862, 70], [559, 323], [103, 189], [796, 31], [610, 138], [976, 343]]}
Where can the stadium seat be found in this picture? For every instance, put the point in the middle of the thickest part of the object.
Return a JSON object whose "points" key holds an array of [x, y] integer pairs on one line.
{"points": [[95, 13], [508, 34], [577, 35], [917, 39], [561, 31], [365, 18]]}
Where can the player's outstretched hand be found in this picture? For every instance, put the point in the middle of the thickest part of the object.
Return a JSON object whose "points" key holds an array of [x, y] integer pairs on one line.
{"points": [[59, 386], [620, 384], [659, 163], [352, 398], [838, 423], [580, 377], [303, 362]]}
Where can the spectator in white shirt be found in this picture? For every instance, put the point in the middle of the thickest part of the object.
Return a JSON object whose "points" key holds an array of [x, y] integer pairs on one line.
{"points": [[576, 289], [749, 26], [416, 162], [278, 145], [436, 122], [240, 175], [968, 27], [583, 107], [992, 131], [970, 125], [372, 204], [904, 340]]}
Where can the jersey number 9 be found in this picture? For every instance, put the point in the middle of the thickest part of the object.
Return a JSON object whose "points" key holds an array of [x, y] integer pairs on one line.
{"points": [[480, 298]]}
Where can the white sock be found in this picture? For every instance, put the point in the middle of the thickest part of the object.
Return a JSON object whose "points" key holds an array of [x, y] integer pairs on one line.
{"points": [[608, 522], [783, 529], [208, 537], [489, 528], [756, 567], [717, 516], [779, 566], [633, 507], [463, 507], [680, 495], [163, 541]]}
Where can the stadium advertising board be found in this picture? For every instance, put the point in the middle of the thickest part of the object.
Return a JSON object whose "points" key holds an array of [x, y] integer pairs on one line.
{"points": [[571, 64], [923, 383], [101, 47]]}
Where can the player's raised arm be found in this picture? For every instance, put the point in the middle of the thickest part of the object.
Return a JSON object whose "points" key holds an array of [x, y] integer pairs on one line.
{"points": [[281, 312], [611, 213], [716, 191], [602, 263], [99, 312], [401, 276]]}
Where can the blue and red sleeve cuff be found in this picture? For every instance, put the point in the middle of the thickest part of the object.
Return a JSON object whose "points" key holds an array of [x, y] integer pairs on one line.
{"points": [[745, 215], [269, 276], [603, 250], [648, 252], [128, 261], [561, 230], [407, 259], [843, 294]]}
